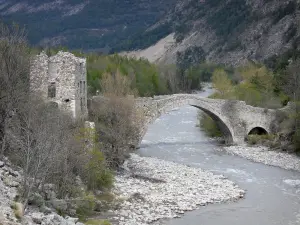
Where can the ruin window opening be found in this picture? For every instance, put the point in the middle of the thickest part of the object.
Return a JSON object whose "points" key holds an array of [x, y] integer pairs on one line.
{"points": [[81, 68], [67, 100], [81, 105], [52, 90]]}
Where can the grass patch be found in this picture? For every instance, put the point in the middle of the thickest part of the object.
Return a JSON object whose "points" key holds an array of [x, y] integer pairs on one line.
{"points": [[97, 222], [18, 210], [107, 196], [266, 139], [209, 126]]}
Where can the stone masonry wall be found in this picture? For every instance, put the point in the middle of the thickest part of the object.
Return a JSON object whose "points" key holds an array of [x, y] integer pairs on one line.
{"points": [[61, 79], [237, 117]]}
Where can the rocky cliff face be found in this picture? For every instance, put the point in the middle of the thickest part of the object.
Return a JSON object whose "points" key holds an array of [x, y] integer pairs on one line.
{"points": [[232, 31]]}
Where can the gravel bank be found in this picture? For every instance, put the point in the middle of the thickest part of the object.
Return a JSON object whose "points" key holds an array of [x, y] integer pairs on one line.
{"points": [[156, 189], [266, 156]]}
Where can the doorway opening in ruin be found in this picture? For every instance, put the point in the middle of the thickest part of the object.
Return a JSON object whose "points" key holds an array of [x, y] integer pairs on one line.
{"points": [[53, 105], [52, 90]]}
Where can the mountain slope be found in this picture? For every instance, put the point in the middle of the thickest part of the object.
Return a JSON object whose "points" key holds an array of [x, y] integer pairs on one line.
{"points": [[222, 31], [86, 24], [233, 31]]}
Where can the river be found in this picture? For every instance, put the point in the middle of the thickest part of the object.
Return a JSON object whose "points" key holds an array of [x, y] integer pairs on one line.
{"points": [[272, 194]]}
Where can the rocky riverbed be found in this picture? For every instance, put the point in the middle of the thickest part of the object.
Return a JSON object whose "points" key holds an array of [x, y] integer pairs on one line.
{"points": [[266, 156], [153, 189]]}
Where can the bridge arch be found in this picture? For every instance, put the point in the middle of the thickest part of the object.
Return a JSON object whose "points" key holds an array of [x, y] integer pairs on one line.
{"points": [[221, 124], [161, 105]]}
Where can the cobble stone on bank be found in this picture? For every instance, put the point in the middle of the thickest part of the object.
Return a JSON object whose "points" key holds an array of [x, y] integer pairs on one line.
{"points": [[154, 189], [266, 156]]}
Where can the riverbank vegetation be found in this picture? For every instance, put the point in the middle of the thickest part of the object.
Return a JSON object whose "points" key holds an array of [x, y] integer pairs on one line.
{"points": [[260, 86], [64, 165], [56, 153]]}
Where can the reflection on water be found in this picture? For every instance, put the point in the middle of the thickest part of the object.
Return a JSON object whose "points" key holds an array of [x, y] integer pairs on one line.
{"points": [[273, 194]]}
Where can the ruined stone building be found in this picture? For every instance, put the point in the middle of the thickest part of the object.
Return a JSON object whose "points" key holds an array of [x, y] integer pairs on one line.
{"points": [[61, 79]]}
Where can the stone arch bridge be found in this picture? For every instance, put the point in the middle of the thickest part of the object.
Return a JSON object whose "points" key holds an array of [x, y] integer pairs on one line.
{"points": [[235, 118]]}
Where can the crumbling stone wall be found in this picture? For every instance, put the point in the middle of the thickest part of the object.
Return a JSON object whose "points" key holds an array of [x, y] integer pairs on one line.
{"points": [[61, 79]]}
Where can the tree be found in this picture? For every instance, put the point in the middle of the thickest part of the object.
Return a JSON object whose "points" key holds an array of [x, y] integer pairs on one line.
{"points": [[115, 84], [168, 74], [260, 76], [291, 82], [222, 83], [291, 86], [39, 137], [116, 119], [14, 75], [192, 56]]}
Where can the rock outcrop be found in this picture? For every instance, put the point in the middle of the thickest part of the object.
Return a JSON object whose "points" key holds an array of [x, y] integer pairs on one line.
{"points": [[11, 212], [9, 181]]}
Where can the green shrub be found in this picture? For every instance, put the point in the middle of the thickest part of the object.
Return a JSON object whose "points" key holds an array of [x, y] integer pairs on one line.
{"points": [[98, 176], [296, 140], [36, 199], [255, 139], [86, 207]]}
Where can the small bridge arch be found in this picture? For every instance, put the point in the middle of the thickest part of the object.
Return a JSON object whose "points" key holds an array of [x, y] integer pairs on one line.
{"points": [[258, 130]]}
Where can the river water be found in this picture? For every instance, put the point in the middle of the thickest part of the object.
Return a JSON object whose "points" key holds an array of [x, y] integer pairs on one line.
{"points": [[272, 194]]}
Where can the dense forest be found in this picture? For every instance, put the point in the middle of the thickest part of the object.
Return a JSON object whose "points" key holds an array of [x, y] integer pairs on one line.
{"points": [[147, 79]]}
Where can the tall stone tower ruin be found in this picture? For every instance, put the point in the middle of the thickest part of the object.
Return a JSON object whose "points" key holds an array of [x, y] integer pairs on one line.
{"points": [[61, 79]]}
